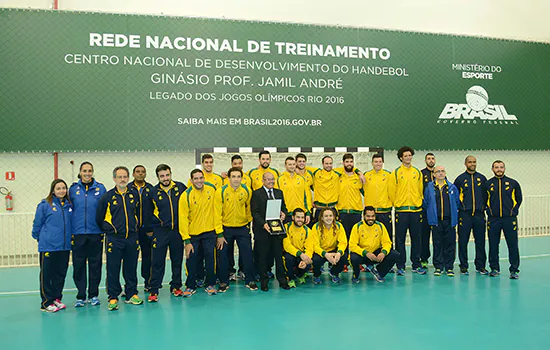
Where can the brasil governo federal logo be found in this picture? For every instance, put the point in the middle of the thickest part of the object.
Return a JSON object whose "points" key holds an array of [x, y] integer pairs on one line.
{"points": [[476, 110]]}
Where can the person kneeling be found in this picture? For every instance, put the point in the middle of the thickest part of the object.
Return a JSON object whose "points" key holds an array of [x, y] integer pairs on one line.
{"points": [[370, 244], [329, 243], [297, 249]]}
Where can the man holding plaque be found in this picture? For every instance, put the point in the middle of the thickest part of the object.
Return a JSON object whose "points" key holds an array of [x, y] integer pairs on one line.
{"points": [[268, 230]]}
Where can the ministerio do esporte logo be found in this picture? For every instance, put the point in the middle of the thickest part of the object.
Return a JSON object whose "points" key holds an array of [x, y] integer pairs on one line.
{"points": [[476, 110]]}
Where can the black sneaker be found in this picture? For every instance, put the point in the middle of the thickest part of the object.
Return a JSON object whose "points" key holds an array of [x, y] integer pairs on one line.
{"points": [[251, 286], [482, 271], [223, 287], [464, 271]]}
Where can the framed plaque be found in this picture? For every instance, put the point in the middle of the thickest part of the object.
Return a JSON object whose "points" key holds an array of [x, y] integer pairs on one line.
{"points": [[273, 217]]}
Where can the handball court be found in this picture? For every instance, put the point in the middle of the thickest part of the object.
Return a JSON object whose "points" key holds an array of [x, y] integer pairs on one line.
{"points": [[411, 312]]}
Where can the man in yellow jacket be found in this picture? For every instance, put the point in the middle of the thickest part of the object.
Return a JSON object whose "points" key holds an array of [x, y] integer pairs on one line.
{"points": [[370, 244], [297, 249], [233, 217], [198, 232], [295, 188], [408, 210], [379, 190]]}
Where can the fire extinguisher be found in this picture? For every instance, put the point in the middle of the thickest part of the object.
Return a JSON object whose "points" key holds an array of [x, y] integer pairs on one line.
{"points": [[8, 197]]}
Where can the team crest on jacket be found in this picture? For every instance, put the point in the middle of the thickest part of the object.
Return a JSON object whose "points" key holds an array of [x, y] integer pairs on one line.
{"points": [[78, 192]]}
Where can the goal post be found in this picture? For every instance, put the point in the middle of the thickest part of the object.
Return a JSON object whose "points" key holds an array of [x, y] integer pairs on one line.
{"points": [[222, 156]]}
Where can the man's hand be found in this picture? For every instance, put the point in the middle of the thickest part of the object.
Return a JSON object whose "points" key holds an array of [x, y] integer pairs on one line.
{"points": [[308, 219], [305, 258], [188, 250], [267, 228], [224, 175], [362, 178], [219, 243], [302, 265], [381, 257], [283, 216], [372, 257], [149, 234], [337, 257]]}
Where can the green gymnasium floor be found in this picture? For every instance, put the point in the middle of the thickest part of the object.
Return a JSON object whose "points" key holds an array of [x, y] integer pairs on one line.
{"points": [[411, 312]]}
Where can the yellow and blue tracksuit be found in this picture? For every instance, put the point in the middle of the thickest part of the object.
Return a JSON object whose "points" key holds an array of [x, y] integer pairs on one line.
{"points": [[52, 229], [329, 240], [87, 239], [144, 240], [256, 176], [371, 239], [408, 213], [164, 204], [295, 244], [471, 217], [504, 199], [232, 217], [379, 189], [427, 177], [441, 206], [197, 226], [295, 189], [350, 201], [117, 216]]}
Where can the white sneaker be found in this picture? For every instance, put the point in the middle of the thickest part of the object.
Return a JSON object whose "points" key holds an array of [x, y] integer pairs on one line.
{"points": [[59, 304], [50, 308]]}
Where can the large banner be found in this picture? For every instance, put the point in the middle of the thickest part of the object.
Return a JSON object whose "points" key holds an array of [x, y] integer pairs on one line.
{"points": [[89, 81]]}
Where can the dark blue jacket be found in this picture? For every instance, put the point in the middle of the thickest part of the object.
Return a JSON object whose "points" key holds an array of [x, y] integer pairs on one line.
{"points": [[430, 204], [164, 206], [427, 177], [504, 197], [472, 193], [144, 194], [117, 213], [52, 225], [85, 201]]}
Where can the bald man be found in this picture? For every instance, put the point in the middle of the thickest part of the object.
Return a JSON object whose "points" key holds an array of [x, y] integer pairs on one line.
{"points": [[441, 203], [268, 245]]}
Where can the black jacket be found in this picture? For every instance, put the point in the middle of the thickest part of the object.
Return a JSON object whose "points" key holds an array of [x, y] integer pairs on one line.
{"points": [[258, 206]]}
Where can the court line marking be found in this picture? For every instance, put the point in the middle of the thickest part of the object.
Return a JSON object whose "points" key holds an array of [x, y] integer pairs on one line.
{"points": [[165, 284]]}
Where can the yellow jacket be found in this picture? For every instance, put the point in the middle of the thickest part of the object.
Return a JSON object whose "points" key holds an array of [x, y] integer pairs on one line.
{"points": [[295, 190], [308, 175], [379, 189], [350, 197], [328, 240], [256, 176], [212, 178], [326, 187], [196, 212], [232, 207], [296, 241], [408, 189], [368, 239]]}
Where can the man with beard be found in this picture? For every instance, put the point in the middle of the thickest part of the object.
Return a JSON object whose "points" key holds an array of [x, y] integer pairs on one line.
{"points": [[427, 177], [471, 215], [164, 200], [326, 183], [503, 206], [370, 244], [298, 249], [256, 174]]}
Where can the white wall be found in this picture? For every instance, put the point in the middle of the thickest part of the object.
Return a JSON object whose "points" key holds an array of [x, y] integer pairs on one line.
{"points": [[511, 19]]}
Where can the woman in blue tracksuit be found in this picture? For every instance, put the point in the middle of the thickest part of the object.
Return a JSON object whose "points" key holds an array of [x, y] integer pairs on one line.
{"points": [[52, 229], [87, 240]]}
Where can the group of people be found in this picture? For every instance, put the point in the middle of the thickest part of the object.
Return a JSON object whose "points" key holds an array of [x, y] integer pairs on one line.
{"points": [[336, 215]]}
